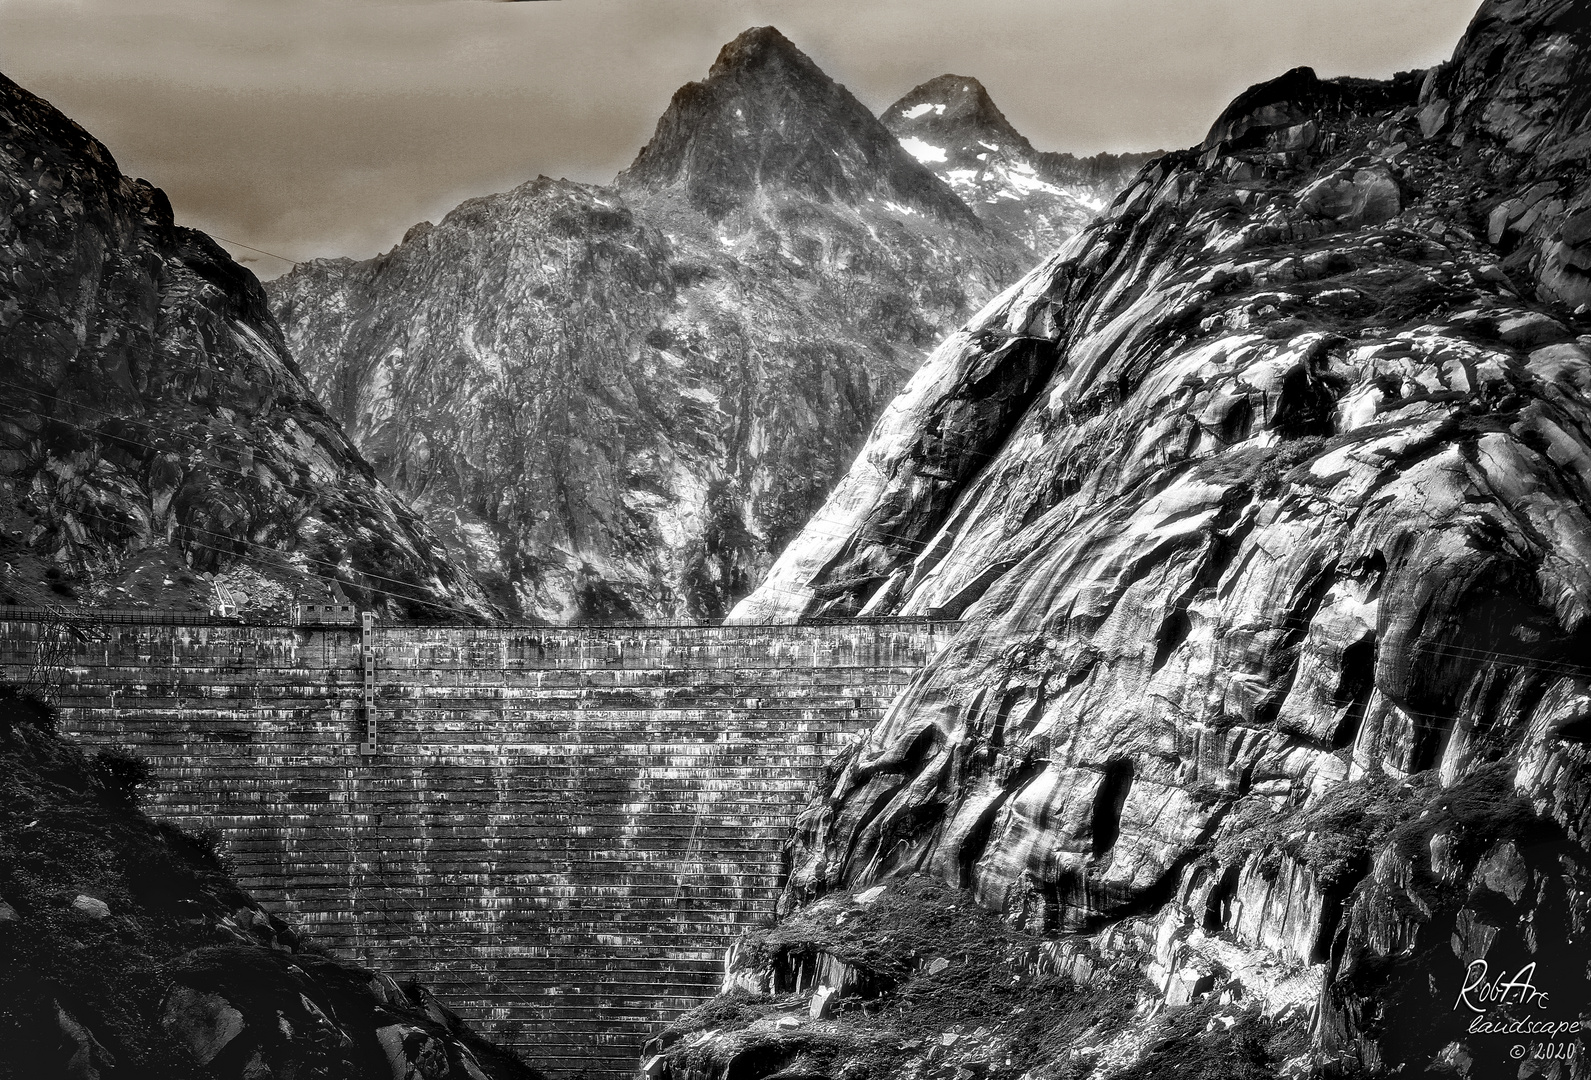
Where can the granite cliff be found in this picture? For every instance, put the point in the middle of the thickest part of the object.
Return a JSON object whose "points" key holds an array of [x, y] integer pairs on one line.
{"points": [[623, 401], [156, 439], [127, 951], [1264, 505]]}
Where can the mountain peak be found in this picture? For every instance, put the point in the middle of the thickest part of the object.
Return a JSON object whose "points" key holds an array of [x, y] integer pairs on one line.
{"points": [[759, 47], [954, 110], [767, 118], [952, 126]]}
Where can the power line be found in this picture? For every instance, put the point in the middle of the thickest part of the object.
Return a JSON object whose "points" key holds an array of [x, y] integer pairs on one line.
{"points": [[320, 495], [813, 528], [286, 556], [1285, 623], [250, 247], [193, 443]]}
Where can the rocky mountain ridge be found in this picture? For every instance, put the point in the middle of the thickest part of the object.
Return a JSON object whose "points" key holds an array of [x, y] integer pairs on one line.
{"points": [[692, 356], [766, 116], [1263, 505], [952, 125], [157, 441]]}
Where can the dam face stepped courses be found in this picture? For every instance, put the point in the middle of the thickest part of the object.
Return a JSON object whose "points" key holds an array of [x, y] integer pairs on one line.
{"points": [[560, 829]]}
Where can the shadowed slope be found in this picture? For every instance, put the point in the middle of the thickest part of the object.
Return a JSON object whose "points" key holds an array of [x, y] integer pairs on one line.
{"points": [[154, 428]]}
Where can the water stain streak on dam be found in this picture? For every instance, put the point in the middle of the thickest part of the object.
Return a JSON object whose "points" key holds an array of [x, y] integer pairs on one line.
{"points": [[561, 829]]}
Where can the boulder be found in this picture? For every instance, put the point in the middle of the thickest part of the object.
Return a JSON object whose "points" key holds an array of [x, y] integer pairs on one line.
{"points": [[91, 906], [86, 1059], [824, 1000], [1531, 330], [1576, 229], [1367, 196], [413, 1053], [203, 1021], [1434, 117]]}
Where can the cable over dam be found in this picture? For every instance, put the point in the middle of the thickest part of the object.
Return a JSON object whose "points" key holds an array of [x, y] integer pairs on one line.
{"points": [[559, 830]]}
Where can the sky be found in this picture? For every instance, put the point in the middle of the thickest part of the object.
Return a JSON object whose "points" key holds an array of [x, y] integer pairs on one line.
{"points": [[309, 128]]}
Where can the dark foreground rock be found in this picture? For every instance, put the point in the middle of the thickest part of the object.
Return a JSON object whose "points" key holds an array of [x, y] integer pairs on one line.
{"points": [[126, 951], [1265, 507], [156, 440]]}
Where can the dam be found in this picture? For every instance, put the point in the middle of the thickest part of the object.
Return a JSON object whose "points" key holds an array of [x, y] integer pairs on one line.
{"points": [[559, 830]]}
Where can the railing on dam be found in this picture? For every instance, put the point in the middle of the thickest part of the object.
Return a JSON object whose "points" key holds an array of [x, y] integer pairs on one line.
{"points": [[561, 829]]}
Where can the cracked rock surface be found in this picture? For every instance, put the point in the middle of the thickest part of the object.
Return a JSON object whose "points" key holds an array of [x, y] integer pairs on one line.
{"points": [[1265, 505]]}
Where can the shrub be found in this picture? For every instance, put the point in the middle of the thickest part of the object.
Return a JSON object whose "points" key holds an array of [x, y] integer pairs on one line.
{"points": [[21, 706], [118, 775]]}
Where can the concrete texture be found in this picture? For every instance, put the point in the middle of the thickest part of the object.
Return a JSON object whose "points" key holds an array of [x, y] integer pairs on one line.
{"points": [[562, 828]]}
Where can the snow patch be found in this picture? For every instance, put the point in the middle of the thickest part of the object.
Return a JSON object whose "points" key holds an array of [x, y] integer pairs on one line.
{"points": [[1025, 182], [917, 110], [923, 152], [899, 209], [490, 363]]}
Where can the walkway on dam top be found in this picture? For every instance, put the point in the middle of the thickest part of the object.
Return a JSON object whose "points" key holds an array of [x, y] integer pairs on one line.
{"points": [[78, 614]]}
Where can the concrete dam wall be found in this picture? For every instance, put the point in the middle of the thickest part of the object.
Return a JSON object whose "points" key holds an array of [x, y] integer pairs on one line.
{"points": [[559, 830]]}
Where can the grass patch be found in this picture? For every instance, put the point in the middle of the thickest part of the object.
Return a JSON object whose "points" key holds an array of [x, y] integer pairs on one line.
{"points": [[954, 992]]}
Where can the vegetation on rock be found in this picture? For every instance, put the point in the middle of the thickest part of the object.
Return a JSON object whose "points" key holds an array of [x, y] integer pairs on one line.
{"points": [[926, 983]]}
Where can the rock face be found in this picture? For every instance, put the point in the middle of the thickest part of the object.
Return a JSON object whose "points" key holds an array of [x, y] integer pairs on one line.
{"points": [[1264, 505], [129, 952], [912, 979], [154, 427], [767, 116], [951, 125], [624, 401]]}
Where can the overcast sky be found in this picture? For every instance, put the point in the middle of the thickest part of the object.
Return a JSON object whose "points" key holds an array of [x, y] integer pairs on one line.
{"points": [[328, 127]]}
